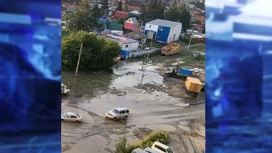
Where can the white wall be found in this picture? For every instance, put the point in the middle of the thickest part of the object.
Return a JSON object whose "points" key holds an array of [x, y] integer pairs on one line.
{"points": [[174, 31], [130, 46], [151, 27]]}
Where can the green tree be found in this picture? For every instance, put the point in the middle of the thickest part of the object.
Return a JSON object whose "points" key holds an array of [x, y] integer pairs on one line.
{"points": [[119, 6], [126, 8], [200, 5], [155, 9], [179, 14], [96, 11], [121, 146], [82, 18], [97, 52]]}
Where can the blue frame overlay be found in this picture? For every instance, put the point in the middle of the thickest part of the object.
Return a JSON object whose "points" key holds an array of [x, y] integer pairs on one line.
{"points": [[30, 76], [238, 85]]}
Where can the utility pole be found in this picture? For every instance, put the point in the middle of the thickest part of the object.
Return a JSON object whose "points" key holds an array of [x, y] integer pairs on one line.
{"points": [[79, 55], [144, 68], [190, 41]]}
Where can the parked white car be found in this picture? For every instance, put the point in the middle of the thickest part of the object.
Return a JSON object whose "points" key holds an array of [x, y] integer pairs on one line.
{"points": [[71, 117], [138, 150], [118, 113], [149, 150], [161, 148]]}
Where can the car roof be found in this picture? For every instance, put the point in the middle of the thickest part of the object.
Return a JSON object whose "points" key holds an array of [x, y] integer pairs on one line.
{"points": [[139, 150], [71, 113], [120, 108], [160, 144], [151, 150]]}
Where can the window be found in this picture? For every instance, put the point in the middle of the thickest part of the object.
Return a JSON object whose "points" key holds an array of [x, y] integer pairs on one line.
{"points": [[161, 28], [169, 150], [116, 111], [72, 116], [160, 148], [126, 46], [149, 26], [170, 37], [127, 111]]}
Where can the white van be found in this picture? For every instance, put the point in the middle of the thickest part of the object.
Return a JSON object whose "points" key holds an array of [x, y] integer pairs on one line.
{"points": [[161, 148], [138, 150]]}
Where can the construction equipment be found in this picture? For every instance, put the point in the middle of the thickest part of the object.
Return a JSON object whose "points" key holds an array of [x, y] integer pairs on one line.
{"points": [[171, 48], [193, 86], [64, 89], [177, 71]]}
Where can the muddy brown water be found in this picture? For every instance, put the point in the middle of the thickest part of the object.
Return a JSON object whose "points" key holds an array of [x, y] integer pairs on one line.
{"points": [[153, 102]]}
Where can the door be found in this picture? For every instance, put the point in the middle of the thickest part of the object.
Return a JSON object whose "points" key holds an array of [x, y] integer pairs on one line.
{"points": [[174, 37]]}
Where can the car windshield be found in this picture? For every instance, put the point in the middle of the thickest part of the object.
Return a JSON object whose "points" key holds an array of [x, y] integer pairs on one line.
{"points": [[77, 115], [169, 150], [115, 111]]}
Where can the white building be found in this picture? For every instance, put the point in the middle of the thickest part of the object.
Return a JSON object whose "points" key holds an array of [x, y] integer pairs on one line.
{"points": [[163, 30], [128, 45]]}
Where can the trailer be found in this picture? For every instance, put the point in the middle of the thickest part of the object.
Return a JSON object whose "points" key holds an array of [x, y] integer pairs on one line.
{"points": [[178, 72], [193, 86]]}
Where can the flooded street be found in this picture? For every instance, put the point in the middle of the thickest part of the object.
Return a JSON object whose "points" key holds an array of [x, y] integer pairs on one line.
{"points": [[156, 102]]}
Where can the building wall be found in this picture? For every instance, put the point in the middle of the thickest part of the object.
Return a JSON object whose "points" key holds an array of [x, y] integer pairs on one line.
{"points": [[131, 8], [163, 33], [149, 27], [174, 33], [130, 47]]}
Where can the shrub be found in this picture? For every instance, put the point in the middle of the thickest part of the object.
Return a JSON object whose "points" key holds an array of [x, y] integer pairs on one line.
{"points": [[161, 136]]}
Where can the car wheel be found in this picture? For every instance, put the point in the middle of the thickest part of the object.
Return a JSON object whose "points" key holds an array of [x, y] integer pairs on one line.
{"points": [[62, 120], [78, 121], [125, 118], [114, 119]]}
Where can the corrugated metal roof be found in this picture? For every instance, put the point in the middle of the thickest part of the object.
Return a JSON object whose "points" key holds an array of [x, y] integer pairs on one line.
{"points": [[165, 23]]}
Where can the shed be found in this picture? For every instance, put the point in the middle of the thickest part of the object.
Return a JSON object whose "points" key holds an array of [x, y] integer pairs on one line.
{"points": [[114, 26], [163, 30], [121, 14], [127, 45]]}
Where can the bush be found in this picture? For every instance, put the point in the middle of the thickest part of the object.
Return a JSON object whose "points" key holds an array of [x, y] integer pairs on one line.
{"points": [[161, 136]]}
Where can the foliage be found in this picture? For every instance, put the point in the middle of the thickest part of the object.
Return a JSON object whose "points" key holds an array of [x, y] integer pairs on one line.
{"points": [[121, 146], [179, 14], [120, 21], [64, 32], [83, 18], [119, 6], [200, 5], [96, 11], [155, 9], [97, 52], [105, 4], [161, 136], [126, 8]]}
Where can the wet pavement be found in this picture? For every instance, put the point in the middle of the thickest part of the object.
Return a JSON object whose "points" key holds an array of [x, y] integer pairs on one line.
{"points": [[155, 103]]}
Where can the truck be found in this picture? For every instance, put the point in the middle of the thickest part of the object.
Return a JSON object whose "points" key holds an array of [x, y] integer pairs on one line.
{"points": [[193, 86], [64, 89], [171, 48], [177, 71]]}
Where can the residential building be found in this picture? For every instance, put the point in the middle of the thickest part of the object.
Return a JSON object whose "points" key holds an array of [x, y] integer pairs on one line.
{"points": [[127, 45], [134, 5], [163, 30], [197, 27], [121, 14], [131, 24]]}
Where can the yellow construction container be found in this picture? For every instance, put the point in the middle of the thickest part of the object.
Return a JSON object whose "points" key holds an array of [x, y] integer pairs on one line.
{"points": [[193, 84]]}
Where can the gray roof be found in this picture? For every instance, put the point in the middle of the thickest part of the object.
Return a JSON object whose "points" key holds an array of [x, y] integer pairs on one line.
{"points": [[134, 20], [165, 23]]}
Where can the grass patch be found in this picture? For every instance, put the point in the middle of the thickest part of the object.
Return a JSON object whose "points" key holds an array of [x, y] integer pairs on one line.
{"points": [[199, 59], [161, 136]]}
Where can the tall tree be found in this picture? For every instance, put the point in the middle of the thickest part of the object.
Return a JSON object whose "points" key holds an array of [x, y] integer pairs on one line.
{"points": [[96, 11], [155, 9], [119, 6], [81, 18], [105, 7], [179, 14]]}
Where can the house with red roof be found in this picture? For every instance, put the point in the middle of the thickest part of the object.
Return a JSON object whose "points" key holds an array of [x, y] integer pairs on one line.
{"points": [[131, 24], [121, 14]]}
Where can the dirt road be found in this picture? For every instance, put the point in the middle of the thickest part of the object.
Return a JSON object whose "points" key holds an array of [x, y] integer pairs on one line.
{"points": [[156, 102]]}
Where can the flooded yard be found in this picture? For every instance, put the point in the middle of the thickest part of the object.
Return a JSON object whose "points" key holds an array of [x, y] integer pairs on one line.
{"points": [[155, 102]]}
